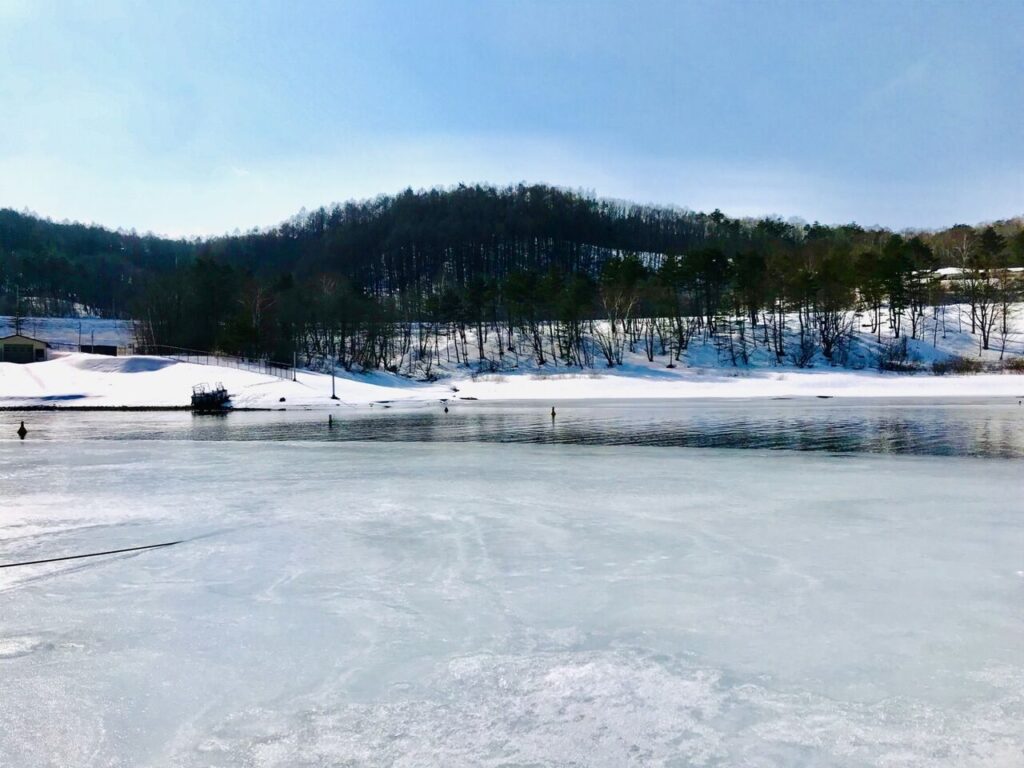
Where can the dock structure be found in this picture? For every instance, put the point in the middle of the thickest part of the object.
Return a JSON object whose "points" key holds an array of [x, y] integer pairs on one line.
{"points": [[207, 398]]}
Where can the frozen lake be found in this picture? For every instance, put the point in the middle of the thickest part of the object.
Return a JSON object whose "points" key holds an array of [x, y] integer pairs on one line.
{"points": [[490, 589]]}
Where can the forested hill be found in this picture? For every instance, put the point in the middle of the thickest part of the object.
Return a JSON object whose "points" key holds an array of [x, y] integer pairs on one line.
{"points": [[382, 246], [60, 264], [456, 235], [467, 255]]}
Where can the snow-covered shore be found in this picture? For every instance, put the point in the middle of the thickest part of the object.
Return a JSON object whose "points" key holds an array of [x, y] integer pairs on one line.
{"points": [[704, 371], [81, 380]]}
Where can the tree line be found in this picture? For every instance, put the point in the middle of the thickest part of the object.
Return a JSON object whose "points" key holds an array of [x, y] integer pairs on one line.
{"points": [[492, 276]]}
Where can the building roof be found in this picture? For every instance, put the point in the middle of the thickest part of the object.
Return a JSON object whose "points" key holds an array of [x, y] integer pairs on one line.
{"points": [[23, 336]]}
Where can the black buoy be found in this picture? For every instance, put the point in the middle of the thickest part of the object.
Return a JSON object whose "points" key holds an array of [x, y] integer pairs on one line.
{"points": [[330, 420], [552, 411], [22, 431]]}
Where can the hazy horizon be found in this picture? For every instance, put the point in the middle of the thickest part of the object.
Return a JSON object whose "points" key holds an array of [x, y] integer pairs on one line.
{"points": [[197, 120], [577, 190]]}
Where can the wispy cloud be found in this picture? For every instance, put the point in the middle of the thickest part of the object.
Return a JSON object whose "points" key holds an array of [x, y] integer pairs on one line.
{"points": [[903, 82]]}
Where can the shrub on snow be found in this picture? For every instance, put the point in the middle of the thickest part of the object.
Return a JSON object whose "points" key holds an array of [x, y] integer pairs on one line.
{"points": [[957, 365]]}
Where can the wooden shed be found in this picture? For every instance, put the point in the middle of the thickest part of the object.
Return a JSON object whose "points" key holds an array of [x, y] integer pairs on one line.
{"points": [[22, 349]]}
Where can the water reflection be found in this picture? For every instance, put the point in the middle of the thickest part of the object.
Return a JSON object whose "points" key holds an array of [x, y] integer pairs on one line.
{"points": [[975, 428]]}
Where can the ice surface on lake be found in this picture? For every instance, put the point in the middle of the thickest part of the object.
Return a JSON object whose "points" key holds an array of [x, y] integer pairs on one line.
{"points": [[468, 604]]}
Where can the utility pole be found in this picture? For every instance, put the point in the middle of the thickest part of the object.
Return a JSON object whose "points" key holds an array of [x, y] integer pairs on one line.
{"points": [[17, 308]]}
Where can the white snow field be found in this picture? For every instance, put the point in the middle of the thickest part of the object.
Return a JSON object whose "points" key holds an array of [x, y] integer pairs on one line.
{"points": [[143, 381], [79, 380], [399, 604]]}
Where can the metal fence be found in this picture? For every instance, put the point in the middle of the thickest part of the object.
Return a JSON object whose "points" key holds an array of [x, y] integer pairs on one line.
{"points": [[203, 357]]}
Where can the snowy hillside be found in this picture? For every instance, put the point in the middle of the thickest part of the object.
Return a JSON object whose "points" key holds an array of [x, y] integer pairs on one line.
{"points": [[709, 368]]}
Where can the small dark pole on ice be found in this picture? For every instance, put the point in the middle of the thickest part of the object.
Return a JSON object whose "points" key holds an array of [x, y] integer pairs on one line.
{"points": [[333, 358], [552, 413], [330, 420], [22, 431]]}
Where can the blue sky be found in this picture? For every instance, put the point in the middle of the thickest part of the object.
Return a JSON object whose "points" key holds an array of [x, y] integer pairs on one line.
{"points": [[195, 118]]}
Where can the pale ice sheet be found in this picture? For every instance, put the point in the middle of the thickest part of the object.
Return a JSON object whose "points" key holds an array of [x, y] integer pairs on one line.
{"points": [[403, 604]]}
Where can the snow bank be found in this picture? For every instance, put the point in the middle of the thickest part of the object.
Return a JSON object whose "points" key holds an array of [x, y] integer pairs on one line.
{"points": [[81, 380], [705, 383], [141, 381]]}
